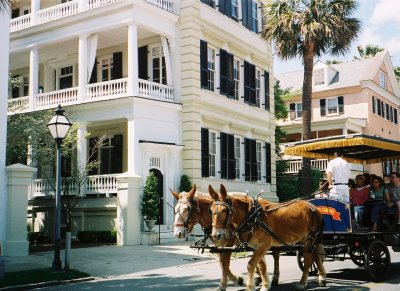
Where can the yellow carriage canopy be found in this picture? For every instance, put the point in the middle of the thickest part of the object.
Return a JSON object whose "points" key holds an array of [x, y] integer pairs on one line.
{"points": [[356, 148]]}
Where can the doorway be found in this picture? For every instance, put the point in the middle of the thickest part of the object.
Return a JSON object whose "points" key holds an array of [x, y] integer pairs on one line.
{"points": [[160, 180]]}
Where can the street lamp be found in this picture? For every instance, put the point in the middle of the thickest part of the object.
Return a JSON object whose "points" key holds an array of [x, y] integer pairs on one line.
{"points": [[58, 126]]}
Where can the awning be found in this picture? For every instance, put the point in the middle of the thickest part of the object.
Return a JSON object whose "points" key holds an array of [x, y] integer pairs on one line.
{"points": [[356, 148]]}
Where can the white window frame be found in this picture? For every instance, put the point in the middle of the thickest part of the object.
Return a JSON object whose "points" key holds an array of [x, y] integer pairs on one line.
{"points": [[236, 77], [59, 76], [258, 87], [235, 8], [211, 68], [238, 157], [382, 79], [109, 61], [157, 55], [212, 153], [259, 160], [330, 100], [298, 108], [254, 15], [319, 77]]}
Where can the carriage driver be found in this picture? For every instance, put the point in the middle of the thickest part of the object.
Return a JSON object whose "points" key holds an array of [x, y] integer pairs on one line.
{"points": [[338, 174]]}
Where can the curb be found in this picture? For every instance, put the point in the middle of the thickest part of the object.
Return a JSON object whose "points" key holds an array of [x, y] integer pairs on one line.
{"points": [[45, 284]]}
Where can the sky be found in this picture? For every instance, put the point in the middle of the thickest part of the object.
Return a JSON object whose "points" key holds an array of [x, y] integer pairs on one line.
{"points": [[380, 25]]}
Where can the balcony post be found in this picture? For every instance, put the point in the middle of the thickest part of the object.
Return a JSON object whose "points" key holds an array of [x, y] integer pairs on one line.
{"points": [[82, 5], [33, 77], [82, 67], [133, 60], [35, 7]]}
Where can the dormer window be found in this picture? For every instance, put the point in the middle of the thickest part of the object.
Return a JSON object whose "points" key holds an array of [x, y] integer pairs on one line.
{"points": [[382, 79], [319, 77]]}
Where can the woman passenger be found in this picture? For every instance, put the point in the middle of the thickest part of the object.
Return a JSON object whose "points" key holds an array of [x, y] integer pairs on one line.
{"points": [[358, 196], [378, 195]]}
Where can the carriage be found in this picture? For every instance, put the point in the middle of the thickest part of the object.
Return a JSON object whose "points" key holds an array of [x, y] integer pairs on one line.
{"points": [[340, 239]]}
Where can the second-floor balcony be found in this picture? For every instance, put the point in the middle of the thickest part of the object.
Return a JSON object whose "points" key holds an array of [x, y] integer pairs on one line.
{"points": [[94, 92], [294, 166]]}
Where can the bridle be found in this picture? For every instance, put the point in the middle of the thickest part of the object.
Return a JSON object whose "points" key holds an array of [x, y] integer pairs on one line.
{"points": [[192, 205], [217, 213]]}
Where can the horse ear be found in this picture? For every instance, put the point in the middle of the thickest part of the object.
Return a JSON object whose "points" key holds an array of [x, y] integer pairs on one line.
{"points": [[175, 194], [223, 192], [212, 192], [192, 191]]}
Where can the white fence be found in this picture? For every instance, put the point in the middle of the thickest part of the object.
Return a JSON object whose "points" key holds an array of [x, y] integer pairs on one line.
{"points": [[295, 166], [156, 91], [107, 90], [164, 4]]}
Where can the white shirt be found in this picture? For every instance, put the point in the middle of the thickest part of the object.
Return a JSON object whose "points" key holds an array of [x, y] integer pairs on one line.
{"points": [[340, 170]]}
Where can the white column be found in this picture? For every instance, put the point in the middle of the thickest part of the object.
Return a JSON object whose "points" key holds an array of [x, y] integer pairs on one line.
{"points": [[131, 150], [35, 7], [82, 150], [4, 55], [345, 131], [133, 61], [82, 67], [33, 77], [82, 5], [167, 57]]}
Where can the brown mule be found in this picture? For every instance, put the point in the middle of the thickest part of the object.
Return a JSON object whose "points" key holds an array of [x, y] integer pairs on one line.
{"points": [[274, 224], [192, 208]]}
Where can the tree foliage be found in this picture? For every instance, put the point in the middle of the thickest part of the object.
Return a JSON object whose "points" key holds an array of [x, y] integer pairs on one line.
{"points": [[185, 185], [150, 208], [369, 51]]}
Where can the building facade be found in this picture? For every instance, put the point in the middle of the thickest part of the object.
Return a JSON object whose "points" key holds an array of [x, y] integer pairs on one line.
{"points": [[169, 87], [360, 96]]}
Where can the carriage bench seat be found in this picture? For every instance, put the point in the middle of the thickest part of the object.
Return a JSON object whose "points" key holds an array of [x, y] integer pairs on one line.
{"points": [[387, 218]]}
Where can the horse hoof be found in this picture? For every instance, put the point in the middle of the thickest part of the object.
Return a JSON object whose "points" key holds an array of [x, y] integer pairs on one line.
{"points": [[221, 288], [275, 282], [301, 287], [264, 288], [240, 281], [322, 283], [257, 281]]}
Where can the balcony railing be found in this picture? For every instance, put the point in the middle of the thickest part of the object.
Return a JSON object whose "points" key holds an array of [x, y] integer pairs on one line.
{"points": [[94, 92], [99, 184], [295, 166], [71, 8]]}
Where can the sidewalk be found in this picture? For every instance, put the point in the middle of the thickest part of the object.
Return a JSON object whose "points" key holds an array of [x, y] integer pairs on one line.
{"points": [[109, 261]]}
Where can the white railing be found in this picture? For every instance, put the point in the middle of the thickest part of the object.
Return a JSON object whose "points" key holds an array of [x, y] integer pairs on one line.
{"points": [[156, 91], [20, 23], [164, 4], [99, 3], [19, 105], [295, 166], [107, 90], [99, 184], [52, 99], [58, 11]]}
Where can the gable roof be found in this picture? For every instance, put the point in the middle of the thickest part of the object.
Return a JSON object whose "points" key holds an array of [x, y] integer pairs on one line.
{"points": [[349, 74]]}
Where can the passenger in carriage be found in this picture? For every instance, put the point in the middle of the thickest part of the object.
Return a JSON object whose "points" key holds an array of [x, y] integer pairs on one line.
{"points": [[378, 194], [323, 190], [358, 196], [394, 192]]}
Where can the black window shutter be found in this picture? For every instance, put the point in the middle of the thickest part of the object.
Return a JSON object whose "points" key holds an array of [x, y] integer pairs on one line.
{"points": [[222, 6], [322, 106], [340, 104], [231, 157], [292, 109], [249, 16], [247, 158], [116, 72], [245, 19], [373, 105], [268, 163], [224, 155], [142, 58], [387, 112], [266, 91], [253, 154], [205, 170], [93, 154], [93, 76], [116, 163], [246, 82], [378, 103], [231, 80], [223, 56], [203, 64], [252, 85], [395, 116], [391, 114]]}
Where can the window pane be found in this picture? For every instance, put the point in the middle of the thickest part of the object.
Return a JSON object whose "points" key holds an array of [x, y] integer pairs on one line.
{"points": [[332, 106]]}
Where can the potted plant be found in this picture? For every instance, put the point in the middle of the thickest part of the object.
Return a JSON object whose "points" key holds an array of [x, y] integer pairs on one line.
{"points": [[150, 201]]}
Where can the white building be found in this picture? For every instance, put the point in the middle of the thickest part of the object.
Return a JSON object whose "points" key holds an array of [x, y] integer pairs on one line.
{"points": [[174, 87]]}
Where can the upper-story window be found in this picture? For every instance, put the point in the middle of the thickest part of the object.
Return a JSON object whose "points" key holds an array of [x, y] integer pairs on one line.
{"points": [[211, 3], [384, 110], [212, 146], [382, 79], [207, 66], [236, 77], [259, 160], [235, 9], [250, 15], [237, 157], [158, 69], [106, 67], [296, 110], [66, 77], [107, 151], [319, 77], [254, 16], [109, 67], [22, 89], [211, 68], [331, 106], [258, 87]]}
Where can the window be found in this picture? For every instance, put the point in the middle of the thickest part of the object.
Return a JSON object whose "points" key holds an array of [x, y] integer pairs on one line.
{"points": [[258, 87], [211, 68], [207, 66], [106, 66], [22, 89], [383, 110], [235, 9], [387, 112], [250, 15], [237, 157], [254, 17], [249, 83], [331, 106], [259, 160], [374, 109], [382, 79], [267, 103], [250, 160], [319, 77], [159, 71], [227, 153], [109, 68], [108, 152], [212, 145], [295, 110], [210, 3], [227, 83], [236, 77], [66, 75]]}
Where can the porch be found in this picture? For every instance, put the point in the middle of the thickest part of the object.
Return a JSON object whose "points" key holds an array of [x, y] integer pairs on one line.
{"points": [[294, 166]]}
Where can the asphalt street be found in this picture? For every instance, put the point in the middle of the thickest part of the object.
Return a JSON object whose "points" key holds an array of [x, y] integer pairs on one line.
{"points": [[203, 273]]}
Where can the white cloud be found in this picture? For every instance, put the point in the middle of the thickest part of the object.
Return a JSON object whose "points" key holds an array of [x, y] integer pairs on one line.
{"points": [[386, 10]]}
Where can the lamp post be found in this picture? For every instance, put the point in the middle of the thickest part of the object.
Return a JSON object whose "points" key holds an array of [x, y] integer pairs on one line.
{"points": [[58, 126]]}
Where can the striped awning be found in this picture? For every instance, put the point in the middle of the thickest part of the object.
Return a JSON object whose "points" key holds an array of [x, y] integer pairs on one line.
{"points": [[356, 148]]}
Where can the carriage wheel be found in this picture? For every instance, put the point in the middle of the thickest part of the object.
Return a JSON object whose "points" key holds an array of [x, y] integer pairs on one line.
{"points": [[377, 260], [357, 255], [300, 261]]}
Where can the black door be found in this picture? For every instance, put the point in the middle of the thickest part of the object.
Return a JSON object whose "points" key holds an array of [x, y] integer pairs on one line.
{"points": [[159, 177]]}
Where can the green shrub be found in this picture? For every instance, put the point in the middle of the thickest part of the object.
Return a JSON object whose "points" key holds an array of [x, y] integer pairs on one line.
{"points": [[38, 238], [185, 184], [97, 236], [150, 207]]}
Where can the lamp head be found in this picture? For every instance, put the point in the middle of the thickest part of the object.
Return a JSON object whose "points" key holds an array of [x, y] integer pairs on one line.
{"points": [[59, 124]]}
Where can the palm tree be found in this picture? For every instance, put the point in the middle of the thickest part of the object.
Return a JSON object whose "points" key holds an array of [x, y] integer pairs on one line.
{"points": [[308, 28]]}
